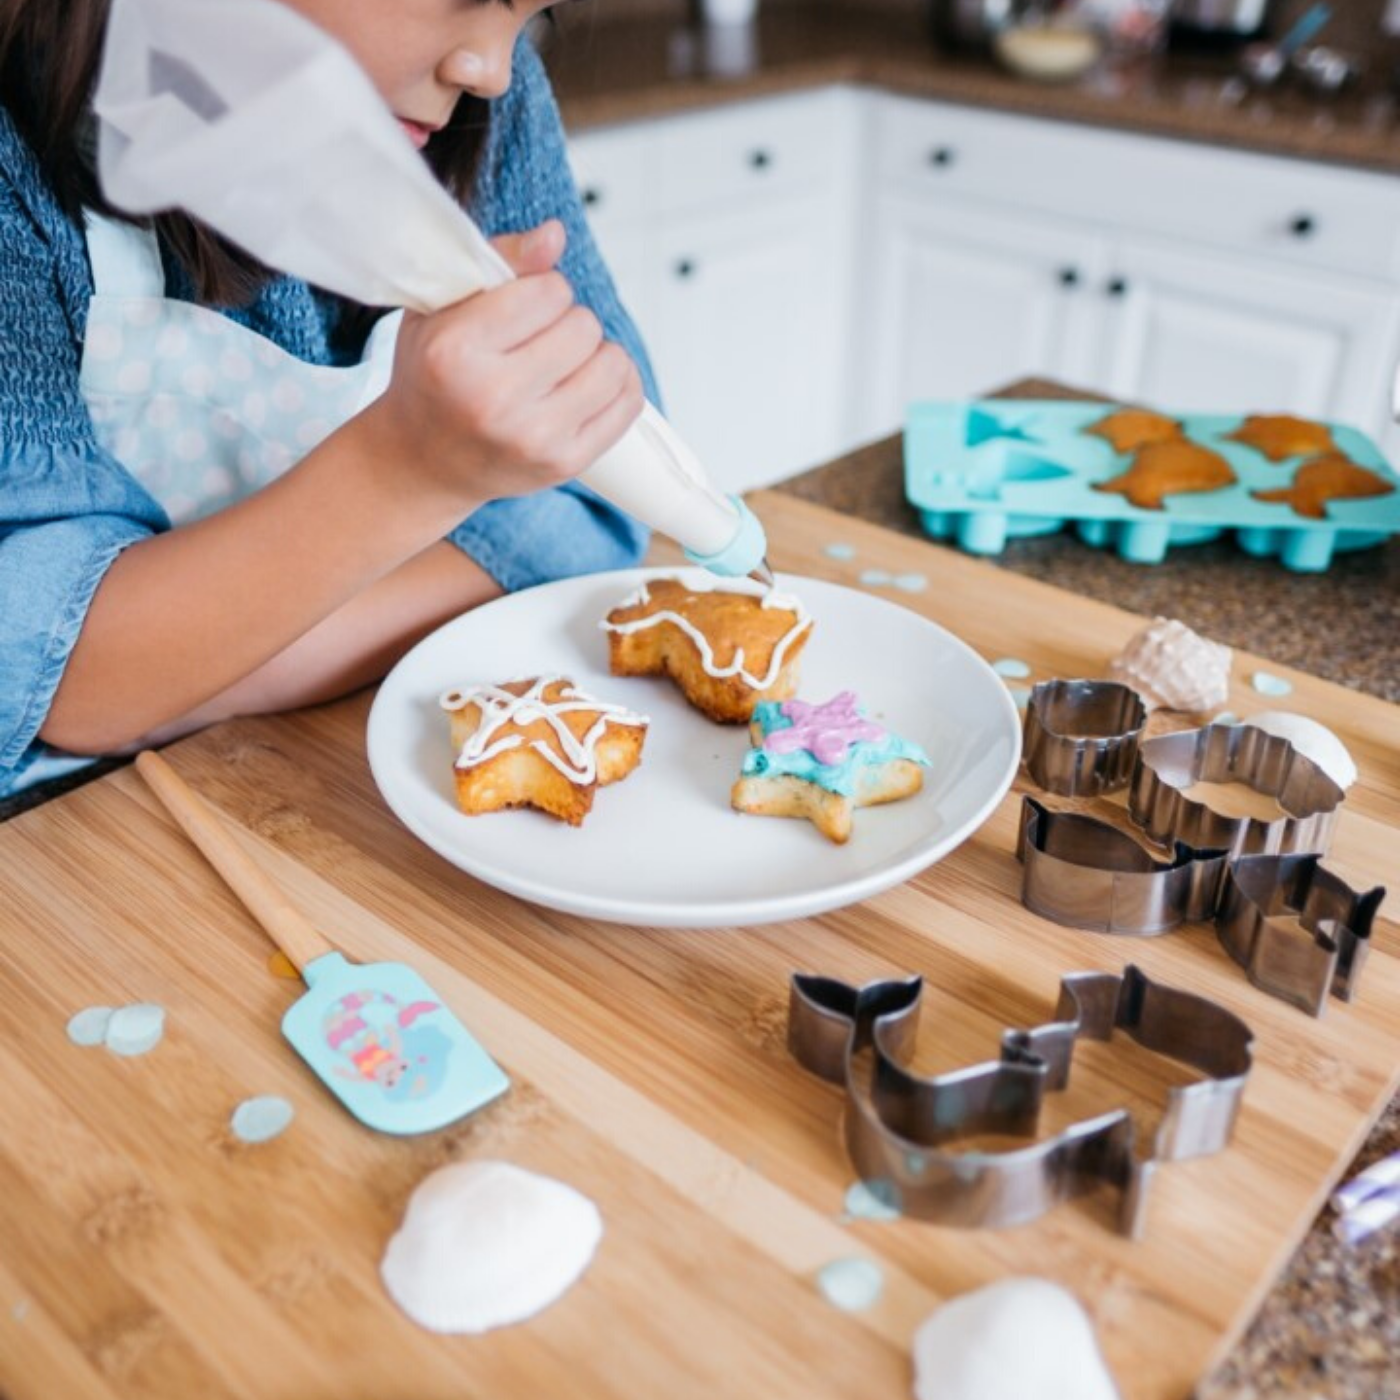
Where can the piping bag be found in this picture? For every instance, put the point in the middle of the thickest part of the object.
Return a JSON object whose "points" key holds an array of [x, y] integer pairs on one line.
{"points": [[259, 124]]}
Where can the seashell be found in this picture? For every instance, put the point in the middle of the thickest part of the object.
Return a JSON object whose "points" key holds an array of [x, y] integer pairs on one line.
{"points": [[1312, 740], [1174, 668]]}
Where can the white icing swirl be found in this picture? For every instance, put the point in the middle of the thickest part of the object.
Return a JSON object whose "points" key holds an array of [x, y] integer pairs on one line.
{"points": [[771, 599], [576, 759]]}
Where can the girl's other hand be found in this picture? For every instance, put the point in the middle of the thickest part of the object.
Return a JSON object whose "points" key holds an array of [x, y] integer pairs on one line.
{"points": [[511, 391]]}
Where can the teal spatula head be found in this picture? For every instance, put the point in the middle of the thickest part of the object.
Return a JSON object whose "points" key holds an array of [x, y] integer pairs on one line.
{"points": [[385, 1045]]}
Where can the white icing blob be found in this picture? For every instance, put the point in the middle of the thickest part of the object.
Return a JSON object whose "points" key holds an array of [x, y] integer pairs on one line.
{"points": [[1021, 1339], [1312, 740], [485, 1244], [1174, 668]]}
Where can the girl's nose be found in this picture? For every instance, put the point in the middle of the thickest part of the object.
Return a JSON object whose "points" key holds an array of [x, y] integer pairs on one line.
{"points": [[483, 73]]}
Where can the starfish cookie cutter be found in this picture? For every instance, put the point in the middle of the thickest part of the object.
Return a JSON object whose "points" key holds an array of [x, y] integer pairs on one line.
{"points": [[901, 1129], [1300, 932], [1169, 765], [1081, 738]]}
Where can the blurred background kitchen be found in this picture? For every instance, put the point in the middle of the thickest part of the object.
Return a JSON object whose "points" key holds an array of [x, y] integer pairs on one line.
{"points": [[819, 213]]}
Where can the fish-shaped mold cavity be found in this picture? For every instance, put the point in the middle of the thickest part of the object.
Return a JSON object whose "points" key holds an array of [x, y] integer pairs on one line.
{"points": [[1329, 478], [1164, 469]]}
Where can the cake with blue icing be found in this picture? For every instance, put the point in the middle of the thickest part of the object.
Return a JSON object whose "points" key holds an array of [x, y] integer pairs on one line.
{"points": [[821, 762]]}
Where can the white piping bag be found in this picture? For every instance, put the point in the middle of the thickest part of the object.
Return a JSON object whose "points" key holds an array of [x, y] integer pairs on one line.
{"points": [[259, 124]]}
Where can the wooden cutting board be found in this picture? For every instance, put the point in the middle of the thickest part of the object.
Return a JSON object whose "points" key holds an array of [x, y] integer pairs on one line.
{"points": [[149, 1254]]}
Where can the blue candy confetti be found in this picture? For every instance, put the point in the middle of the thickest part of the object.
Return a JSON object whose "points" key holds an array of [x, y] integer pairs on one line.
{"points": [[851, 1284], [876, 578], [872, 1200], [1011, 668], [262, 1118], [135, 1029], [1020, 695], [1266, 683], [910, 583], [89, 1026], [839, 550], [1226, 717]]}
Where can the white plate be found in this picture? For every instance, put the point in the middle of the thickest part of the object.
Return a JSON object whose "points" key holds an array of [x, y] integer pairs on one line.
{"points": [[664, 847]]}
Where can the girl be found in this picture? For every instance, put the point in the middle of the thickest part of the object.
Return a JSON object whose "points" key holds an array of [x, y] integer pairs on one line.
{"points": [[207, 506]]}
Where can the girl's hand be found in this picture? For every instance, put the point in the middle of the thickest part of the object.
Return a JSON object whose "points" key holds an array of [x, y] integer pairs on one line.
{"points": [[511, 391]]}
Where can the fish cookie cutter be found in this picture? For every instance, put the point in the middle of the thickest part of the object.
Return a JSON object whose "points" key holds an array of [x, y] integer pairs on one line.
{"points": [[899, 1126], [1082, 737], [1300, 932], [1238, 754], [1083, 873]]}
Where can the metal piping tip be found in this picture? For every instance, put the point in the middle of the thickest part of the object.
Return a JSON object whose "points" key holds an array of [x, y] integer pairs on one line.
{"points": [[764, 575]]}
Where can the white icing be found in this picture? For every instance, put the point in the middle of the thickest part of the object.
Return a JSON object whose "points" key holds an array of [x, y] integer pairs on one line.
{"points": [[1174, 668], [771, 599], [1312, 740], [1020, 1339], [501, 708], [485, 1244]]}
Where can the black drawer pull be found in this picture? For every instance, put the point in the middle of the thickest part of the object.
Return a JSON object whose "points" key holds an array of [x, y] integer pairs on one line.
{"points": [[760, 159], [686, 268], [1304, 226], [942, 156], [1069, 277], [591, 195], [1118, 287]]}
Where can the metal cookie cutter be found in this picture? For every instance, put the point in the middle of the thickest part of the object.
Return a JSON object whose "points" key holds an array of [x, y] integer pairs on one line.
{"points": [[1084, 873], [1300, 932], [899, 1125], [1240, 754], [1081, 737]]}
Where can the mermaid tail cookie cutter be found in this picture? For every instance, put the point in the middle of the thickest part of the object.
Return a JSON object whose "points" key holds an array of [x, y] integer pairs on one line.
{"points": [[1083, 873], [1221, 753], [1262, 898], [1082, 737], [899, 1125]]}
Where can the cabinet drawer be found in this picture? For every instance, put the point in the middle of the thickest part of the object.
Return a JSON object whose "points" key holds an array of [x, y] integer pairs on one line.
{"points": [[1321, 216], [755, 150], [614, 173]]}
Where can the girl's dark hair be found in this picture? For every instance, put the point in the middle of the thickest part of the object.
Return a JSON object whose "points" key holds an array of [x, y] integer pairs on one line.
{"points": [[49, 54]]}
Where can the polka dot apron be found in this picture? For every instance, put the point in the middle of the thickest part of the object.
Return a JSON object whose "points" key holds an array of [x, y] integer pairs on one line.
{"points": [[200, 410]]}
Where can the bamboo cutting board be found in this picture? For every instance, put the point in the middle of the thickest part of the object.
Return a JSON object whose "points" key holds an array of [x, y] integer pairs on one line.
{"points": [[149, 1254]]}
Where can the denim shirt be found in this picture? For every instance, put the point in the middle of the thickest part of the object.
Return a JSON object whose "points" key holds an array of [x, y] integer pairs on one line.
{"points": [[68, 508]]}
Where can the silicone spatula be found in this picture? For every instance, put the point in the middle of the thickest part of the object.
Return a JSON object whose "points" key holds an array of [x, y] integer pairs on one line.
{"points": [[379, 1038]]}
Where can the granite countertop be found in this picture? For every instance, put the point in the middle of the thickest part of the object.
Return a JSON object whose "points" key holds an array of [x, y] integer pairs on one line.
{"points": [[608, 71], [1330, 1329]]}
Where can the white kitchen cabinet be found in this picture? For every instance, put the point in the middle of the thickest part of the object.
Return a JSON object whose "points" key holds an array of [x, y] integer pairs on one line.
{"points": [[749, 342], [1209, 332], [960, 298], [729, 236]]}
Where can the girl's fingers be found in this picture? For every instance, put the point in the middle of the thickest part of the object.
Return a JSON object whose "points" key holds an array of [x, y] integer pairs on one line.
{"points": [[535, 250], [541, 365], [598, 404], [507, 317]]}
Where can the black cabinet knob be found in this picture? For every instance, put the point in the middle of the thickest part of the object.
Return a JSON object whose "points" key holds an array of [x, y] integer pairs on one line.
{"points": [[591, 195], [685, 268], [760, 159], [1118, 287], [1304, 226], [1069, 277], [942, 156]]}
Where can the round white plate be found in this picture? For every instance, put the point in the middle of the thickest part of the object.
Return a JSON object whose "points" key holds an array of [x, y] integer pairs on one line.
{"points": [[663, 847]]}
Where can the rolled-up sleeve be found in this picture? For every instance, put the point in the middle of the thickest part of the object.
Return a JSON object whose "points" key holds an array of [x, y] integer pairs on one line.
{"points": [[525, 180], [67, 507]]}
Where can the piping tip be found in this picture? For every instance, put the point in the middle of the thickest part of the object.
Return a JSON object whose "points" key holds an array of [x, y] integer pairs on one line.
{"points": [[763, 574]]}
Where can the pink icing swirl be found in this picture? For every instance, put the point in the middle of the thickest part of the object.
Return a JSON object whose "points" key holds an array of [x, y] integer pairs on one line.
{"points": [[826, 731]]}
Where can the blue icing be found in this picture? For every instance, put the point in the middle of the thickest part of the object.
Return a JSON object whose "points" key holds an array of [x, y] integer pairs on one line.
{"points": [[841, 777]]}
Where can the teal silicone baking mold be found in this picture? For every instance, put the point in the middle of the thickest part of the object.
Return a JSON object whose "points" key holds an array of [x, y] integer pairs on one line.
{"points": [[987, 471]]}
